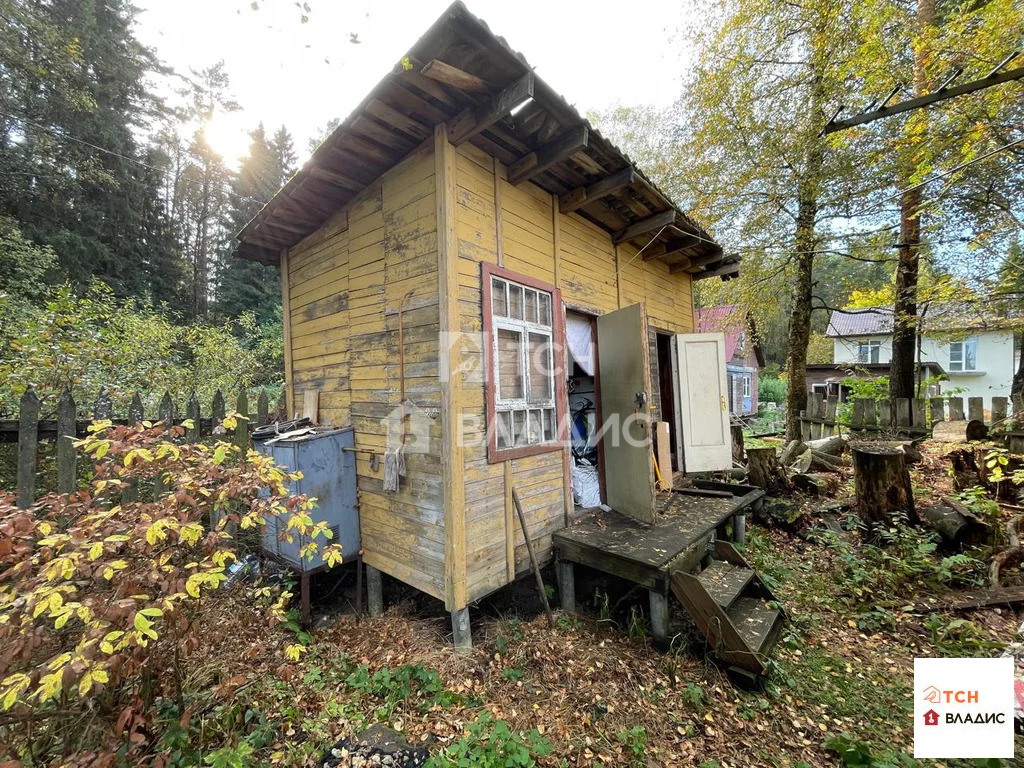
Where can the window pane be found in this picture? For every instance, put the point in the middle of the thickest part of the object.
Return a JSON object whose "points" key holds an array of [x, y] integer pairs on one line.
{"points": [[499, 306], [549, 425], [531, 306], [544, 317], [519, 427], [541, 375], [971, 355], [510, 366], [503, 430], [536, 431], [515, 301]]}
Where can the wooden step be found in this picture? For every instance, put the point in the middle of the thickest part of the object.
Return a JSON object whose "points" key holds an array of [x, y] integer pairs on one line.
{"points": [[757, 623], [725, 581]]}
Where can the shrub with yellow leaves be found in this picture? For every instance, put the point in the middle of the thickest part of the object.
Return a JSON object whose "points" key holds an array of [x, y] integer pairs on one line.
{"points": [[102, 592]]}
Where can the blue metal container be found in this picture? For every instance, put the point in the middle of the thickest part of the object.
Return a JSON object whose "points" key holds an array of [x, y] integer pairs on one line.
{"points": [[329, 475]]}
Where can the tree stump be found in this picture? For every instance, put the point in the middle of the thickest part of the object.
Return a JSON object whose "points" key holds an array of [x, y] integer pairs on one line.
{"points": [[737, 443], [882, 485], [764, 470], [959, 431]]}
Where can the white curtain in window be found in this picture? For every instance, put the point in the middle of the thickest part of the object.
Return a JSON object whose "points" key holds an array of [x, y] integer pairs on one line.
{"points": [[578, 335]]}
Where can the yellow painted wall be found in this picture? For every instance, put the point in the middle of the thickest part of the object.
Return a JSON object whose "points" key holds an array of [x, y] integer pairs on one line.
{"points": [[520, 229], [345, 285]]}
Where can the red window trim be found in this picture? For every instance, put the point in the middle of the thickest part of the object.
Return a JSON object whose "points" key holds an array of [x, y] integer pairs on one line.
{"points": [[494, 454]]}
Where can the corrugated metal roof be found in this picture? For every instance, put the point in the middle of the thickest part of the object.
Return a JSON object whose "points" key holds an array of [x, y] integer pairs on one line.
{"points": [[398, 115], [870, 321], [733, 322], [935, 318]]}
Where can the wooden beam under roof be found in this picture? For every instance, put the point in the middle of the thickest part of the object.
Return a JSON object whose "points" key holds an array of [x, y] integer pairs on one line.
{"points": [[569, 142], [398, 120], [459, 79], [474, 120], [268, 256], [582, 196], [657, 221], [725, 270], [671, 248], [698, 260], [335, 178]]}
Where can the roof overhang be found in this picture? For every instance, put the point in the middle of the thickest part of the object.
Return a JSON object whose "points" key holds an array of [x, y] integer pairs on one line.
{"points": [[461, 74]]}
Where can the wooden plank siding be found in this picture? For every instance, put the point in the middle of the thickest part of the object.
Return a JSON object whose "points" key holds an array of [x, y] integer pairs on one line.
{"points": [[345, 284], [521, 228]]}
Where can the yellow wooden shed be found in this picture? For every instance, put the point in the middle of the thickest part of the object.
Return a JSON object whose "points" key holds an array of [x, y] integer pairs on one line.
{"points": [[466, 264]]}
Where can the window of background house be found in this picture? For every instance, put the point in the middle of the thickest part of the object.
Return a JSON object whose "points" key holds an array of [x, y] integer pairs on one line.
{"points": [[868, 351], [746, 385], [522, 334], [963, 355]]}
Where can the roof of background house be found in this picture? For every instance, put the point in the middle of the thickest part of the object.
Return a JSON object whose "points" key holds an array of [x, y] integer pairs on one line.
{"points": [[733, 321], [935, 318], [462, 74]]}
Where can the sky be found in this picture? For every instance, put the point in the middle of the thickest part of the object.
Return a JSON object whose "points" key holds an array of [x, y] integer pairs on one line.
{"points": [[301, 75]]}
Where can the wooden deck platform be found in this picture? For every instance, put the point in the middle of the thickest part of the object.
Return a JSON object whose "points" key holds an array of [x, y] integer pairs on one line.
{"points": [[647, 554]]}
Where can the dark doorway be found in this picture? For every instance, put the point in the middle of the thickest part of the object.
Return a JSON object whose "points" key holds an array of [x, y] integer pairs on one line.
{"points": [[667, 388]]}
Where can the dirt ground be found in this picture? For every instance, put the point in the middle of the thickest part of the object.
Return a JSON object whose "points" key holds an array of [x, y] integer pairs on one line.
{"points": [[597, 690]]}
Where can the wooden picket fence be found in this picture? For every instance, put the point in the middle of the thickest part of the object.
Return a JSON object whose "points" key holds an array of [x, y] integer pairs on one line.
{"points": [[909, 416], [28, 429]]}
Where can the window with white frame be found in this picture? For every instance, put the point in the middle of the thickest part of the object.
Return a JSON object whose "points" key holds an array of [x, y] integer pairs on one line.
{"points": [[746, 385], [522, 324], [963, 355], [868, 351]]}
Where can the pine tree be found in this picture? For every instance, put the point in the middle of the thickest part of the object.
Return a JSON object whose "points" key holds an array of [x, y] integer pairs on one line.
{"points": [[73, 90], [246, 286]]}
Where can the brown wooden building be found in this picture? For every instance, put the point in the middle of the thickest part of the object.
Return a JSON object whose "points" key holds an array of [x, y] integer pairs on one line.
{"points": [[468, 204]]}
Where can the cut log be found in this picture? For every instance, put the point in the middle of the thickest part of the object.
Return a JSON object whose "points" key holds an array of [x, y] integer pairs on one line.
{"points": [[964, 466], [816, 484], [833, 445], [802, 463], [955, 528], [827, 463], [959, 431], [882, 485], [995, 597], [911, 453], [781, 513], [793, 449], [764, 470]]}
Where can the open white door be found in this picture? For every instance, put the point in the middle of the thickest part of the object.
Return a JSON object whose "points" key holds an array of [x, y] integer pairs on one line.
{"points": [[625, 380], [702, 410]]}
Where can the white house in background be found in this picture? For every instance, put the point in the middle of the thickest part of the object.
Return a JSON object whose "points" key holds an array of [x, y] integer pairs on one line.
{"points": [[975, 353]]}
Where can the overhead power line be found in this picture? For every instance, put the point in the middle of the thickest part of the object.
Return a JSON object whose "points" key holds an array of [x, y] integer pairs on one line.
{"points": [[945, 91]]}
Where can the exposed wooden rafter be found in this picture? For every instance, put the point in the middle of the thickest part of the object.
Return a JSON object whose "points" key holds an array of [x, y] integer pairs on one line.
{"points": [[657, 221], [569, 142], [453, 76], [474, 120], [725, 271], [671, 248], [335, 178], [581, 196], [269, 256]]}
